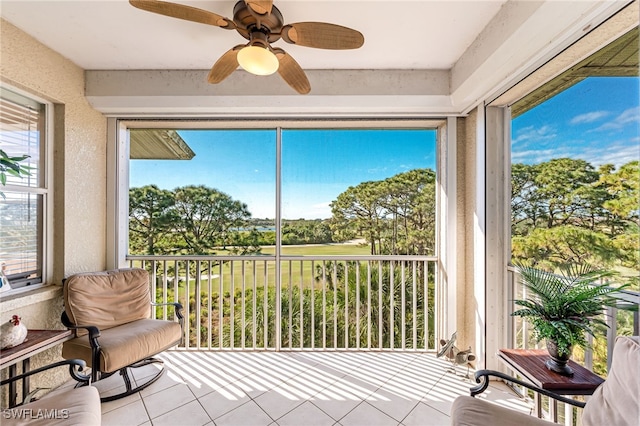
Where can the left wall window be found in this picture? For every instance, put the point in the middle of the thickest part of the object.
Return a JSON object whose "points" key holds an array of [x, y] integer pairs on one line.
{"points": [[23, 207]]}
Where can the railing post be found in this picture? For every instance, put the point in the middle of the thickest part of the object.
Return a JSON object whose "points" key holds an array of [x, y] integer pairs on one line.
{"points": [[197, 303], [612, 332], [187, 304], [510, 297], [588, 353]]}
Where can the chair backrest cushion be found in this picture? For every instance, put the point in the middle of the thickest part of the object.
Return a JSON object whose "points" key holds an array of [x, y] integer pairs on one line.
{"points": [[616, 401], [107, 299]]}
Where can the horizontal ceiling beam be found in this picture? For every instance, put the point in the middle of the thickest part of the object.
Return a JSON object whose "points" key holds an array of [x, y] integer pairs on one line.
{"points": [[334, 92]]}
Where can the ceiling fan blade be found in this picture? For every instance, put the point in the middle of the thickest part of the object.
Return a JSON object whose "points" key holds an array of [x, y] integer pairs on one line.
{"points": [[261, 7], [292, 73], [322, 35], [181, 11], [224, 66]]}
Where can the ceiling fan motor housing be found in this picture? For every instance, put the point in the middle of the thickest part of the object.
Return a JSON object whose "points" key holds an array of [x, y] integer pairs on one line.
{"points": [[249, 21]]}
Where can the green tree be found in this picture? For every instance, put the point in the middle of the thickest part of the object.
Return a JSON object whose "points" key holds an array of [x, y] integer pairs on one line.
{"points": [[306, 232], [526, 208], [623, 186], [395, 216], [151, 220], [359, 211], [411, 203], [564, 185], [565, 210], [207, 217], [550, 248]]}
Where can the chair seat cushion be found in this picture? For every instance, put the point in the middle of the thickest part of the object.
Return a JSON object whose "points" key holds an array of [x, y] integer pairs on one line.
{"points": [[68, 406], [126, 344], [468, 411]]}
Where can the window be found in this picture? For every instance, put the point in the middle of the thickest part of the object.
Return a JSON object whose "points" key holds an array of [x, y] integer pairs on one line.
{"points": [[22, 219], [301, 237], [214, 191], [366, 191]]}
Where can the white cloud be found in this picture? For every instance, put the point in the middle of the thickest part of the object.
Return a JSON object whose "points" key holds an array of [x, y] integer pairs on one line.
{"points": [[629, 116], [534, 134], [536, 156], [588, 117], [616, 154]]}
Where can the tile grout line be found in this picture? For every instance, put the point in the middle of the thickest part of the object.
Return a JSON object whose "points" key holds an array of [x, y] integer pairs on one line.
{"points": [[358, 404], [310, 367]]}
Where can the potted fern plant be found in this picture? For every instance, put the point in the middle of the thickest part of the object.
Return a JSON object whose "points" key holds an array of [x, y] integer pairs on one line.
{"points": [[564, 307]]}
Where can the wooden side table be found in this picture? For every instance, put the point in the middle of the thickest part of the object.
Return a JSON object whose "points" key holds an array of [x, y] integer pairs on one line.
{"points": [[36, 342], [529, 363]]}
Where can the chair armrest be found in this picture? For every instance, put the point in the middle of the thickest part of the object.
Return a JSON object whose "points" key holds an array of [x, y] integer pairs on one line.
{"points": [[70, 362], [178, 308], [483, 376], [94, 332]]}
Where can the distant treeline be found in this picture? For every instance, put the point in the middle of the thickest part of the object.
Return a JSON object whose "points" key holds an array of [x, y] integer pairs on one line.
{"points": [[562, 211], [566, 211], [394, 216]]}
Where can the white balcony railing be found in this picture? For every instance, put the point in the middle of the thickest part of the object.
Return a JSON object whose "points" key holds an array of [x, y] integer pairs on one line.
{"points": [[300, 302]]}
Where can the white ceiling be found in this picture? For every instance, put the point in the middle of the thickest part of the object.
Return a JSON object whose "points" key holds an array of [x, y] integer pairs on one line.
{"points": [[113, 35]]}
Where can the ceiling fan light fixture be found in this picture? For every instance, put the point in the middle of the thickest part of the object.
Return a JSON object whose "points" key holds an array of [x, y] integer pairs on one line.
{"points": [[258, 60]]}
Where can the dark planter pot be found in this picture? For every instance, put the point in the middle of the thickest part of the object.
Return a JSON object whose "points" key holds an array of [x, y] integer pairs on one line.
{"points": [[558, 363]]}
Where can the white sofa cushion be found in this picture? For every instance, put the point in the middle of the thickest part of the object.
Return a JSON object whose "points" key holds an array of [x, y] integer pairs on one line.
{"points": [[616, 401]]}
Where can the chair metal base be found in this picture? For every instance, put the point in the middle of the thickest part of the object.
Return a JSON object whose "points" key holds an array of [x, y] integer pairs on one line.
{"points": [[130, 390]]}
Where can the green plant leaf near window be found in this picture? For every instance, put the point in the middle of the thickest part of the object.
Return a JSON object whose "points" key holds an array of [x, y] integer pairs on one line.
{"points": [[11, 166]]}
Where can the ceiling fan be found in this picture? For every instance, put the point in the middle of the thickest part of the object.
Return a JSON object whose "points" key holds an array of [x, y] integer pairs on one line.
{"points": [[260, 22]]}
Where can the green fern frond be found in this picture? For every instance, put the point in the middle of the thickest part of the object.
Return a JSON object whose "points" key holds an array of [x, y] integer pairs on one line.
{"points": [[565, 307]]}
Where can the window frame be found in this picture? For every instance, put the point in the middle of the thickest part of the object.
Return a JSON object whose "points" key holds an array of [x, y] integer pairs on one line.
{"points": [[118, 162], [45, 189], [447, 230]]}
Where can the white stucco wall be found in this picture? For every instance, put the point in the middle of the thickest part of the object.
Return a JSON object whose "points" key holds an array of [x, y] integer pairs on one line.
{"points": [[80, 148], [79, 177]]}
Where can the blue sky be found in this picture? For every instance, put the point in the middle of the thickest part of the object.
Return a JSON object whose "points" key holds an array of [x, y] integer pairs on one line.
{"points": [[596, 120], [317, 165]]}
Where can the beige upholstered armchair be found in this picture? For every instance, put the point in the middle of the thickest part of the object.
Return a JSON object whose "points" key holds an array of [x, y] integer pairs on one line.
{"points": [[615, 402], [110, 313]]}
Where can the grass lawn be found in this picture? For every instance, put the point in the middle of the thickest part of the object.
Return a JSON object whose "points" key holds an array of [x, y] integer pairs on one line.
{"points": [[295, 273], [321, 250]]}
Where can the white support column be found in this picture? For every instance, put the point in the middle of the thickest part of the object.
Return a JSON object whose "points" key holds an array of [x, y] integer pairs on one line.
{"points": [[479, 238], [446, 321], [498, 199], [451, 226], [117, 193], [278, 272]]}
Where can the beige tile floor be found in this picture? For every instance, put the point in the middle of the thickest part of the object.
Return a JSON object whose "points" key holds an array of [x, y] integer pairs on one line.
{"points": [[296, 389]]}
